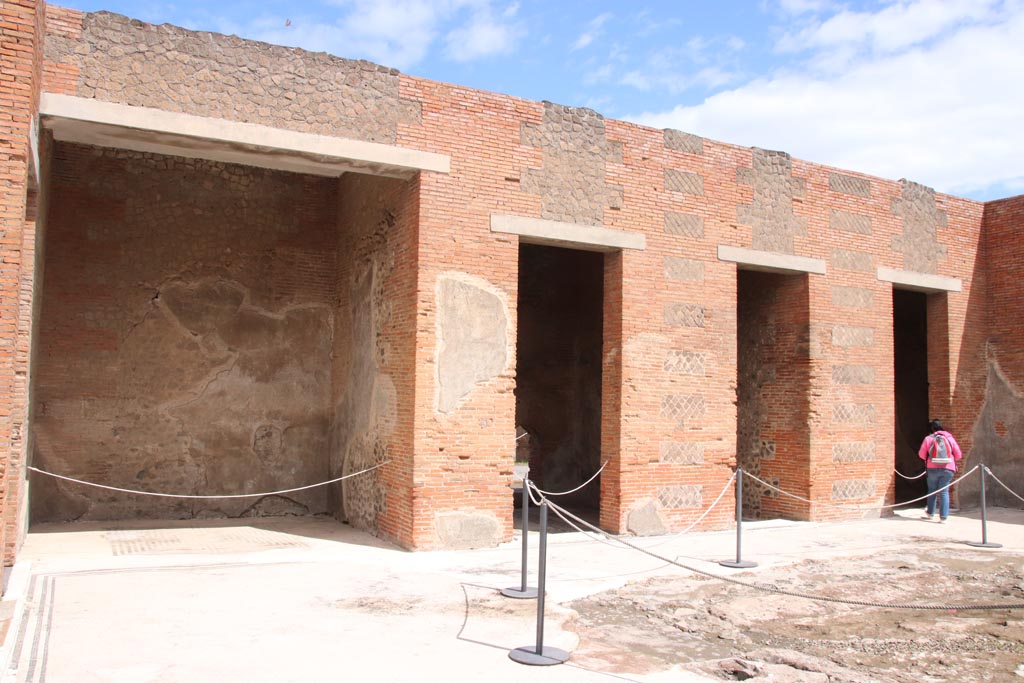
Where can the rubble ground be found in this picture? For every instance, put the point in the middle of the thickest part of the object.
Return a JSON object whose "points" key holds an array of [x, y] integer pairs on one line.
{"points": [[731, 632]]}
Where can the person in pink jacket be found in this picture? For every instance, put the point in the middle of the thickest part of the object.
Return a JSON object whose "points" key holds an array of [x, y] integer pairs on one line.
{"points": [[940, 452]]}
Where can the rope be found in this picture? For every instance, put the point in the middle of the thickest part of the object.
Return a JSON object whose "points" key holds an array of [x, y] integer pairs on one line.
{"points": [[911, 478], [702, 516], [599, 539], [862, 507], [565, 493], [991, 474], [561, 512], [183, 495]]}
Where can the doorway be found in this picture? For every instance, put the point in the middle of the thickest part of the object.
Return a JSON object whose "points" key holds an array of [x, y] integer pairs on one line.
{"points": [[558, 372], [910, 360], [773, 391]]}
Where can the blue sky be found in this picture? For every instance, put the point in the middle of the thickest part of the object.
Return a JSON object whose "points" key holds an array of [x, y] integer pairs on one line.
{"points": [[928, 90]]}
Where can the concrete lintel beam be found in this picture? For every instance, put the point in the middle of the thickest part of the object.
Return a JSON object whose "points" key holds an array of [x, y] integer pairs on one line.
{"points": [[920, 282], [769, 261], [144, 129], [572, 235]]}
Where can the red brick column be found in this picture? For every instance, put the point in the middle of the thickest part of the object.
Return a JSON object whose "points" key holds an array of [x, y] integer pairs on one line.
{"points": [[21, 31]]}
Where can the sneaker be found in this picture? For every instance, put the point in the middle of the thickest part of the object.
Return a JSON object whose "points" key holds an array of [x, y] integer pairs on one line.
{"points": [[942, 520], [927, 516]]}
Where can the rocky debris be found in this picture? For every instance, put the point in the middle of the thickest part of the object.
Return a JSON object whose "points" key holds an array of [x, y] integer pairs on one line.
{"points": [[731, 632]]}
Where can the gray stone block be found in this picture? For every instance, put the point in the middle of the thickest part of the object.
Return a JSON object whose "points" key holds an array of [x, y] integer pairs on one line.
{"points": [[679, 497], [688, 225], [683, 142], [853, 451], [682, 452], [645, 520], [684, 315], [846, 221], [848, 184], [684, 269], [853, 489], [686, 363], [684, 182], [852, 335]]}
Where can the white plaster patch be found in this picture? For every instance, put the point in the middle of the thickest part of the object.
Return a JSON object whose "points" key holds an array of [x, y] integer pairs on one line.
{"points": [[474, 337]]}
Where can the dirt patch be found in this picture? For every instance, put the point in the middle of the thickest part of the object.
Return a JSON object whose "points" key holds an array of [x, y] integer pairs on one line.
{"points": [[733, 632]]}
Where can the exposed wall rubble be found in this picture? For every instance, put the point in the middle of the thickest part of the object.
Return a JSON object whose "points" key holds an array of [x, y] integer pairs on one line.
{"points": [[208, 74], [363, 395]]}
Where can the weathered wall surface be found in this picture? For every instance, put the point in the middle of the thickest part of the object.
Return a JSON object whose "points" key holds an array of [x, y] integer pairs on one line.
{"points": [[113, 58], [21, 199], [186, 327], [998, 434], [372, 350], [772, 443], [669, 353]]}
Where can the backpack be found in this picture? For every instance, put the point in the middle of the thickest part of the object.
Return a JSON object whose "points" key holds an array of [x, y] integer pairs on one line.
{"points": [[939, 453]]}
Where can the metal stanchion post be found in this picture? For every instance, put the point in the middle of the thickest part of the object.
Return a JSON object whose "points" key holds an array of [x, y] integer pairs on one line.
{"points": [[540, 655], [524, 591], [984, 519], [740, 563]]}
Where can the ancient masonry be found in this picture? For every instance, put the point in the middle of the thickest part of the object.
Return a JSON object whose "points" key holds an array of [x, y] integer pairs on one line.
{"points": [[232, 267]]}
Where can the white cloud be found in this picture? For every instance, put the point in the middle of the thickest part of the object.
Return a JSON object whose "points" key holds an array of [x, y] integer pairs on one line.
{"points": [[699, 62], [946, 114], [804, 6], [397, 33], [594, 30], [483, 36], [898, 26]]}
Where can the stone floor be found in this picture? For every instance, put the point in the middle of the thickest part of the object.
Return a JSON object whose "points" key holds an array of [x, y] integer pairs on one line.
{"points": [[298, 599]]}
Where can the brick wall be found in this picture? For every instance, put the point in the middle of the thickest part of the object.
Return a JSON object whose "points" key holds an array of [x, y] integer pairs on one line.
{"points": [[373, 350], [185, 336], [670, 326], [773, 393], [997, 431], [21, 32]]}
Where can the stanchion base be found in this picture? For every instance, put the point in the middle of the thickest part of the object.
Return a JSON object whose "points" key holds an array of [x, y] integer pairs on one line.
{"points": [[528, 655], [742, 564], [986, 544], [519, 593]]}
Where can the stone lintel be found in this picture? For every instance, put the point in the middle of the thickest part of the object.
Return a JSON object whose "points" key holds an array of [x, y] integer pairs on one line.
{"points": [[920, 282], [753, 259], [572, 235], [145, 129]]}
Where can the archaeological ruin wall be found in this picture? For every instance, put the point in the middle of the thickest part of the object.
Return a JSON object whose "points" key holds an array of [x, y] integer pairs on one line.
{"points": [[185, 336]]}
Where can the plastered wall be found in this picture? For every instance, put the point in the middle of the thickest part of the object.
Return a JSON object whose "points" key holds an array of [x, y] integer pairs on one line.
{"points": [[186, 331]]}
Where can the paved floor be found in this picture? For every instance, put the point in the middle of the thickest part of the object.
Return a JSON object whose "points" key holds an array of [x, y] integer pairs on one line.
{"points": [[301, 599]]}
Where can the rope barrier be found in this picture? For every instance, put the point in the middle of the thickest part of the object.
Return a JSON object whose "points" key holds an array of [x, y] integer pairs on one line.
{"points": [[911, 478], [862, 507], [725, 489], [1012, 492], [565, 514], [565, 493], [185, 495], [702, 516]]}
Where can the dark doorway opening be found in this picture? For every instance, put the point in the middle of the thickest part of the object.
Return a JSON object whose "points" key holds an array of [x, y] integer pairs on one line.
{"points": [[773, 391], [558, 372], [910, 357]]}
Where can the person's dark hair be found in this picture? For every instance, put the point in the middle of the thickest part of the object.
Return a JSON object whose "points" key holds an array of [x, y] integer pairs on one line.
{"points": [[936, 426]]}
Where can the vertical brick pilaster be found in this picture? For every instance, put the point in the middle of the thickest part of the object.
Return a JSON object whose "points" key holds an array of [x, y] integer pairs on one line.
{"points": [[611, 395], [21, 31]]}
